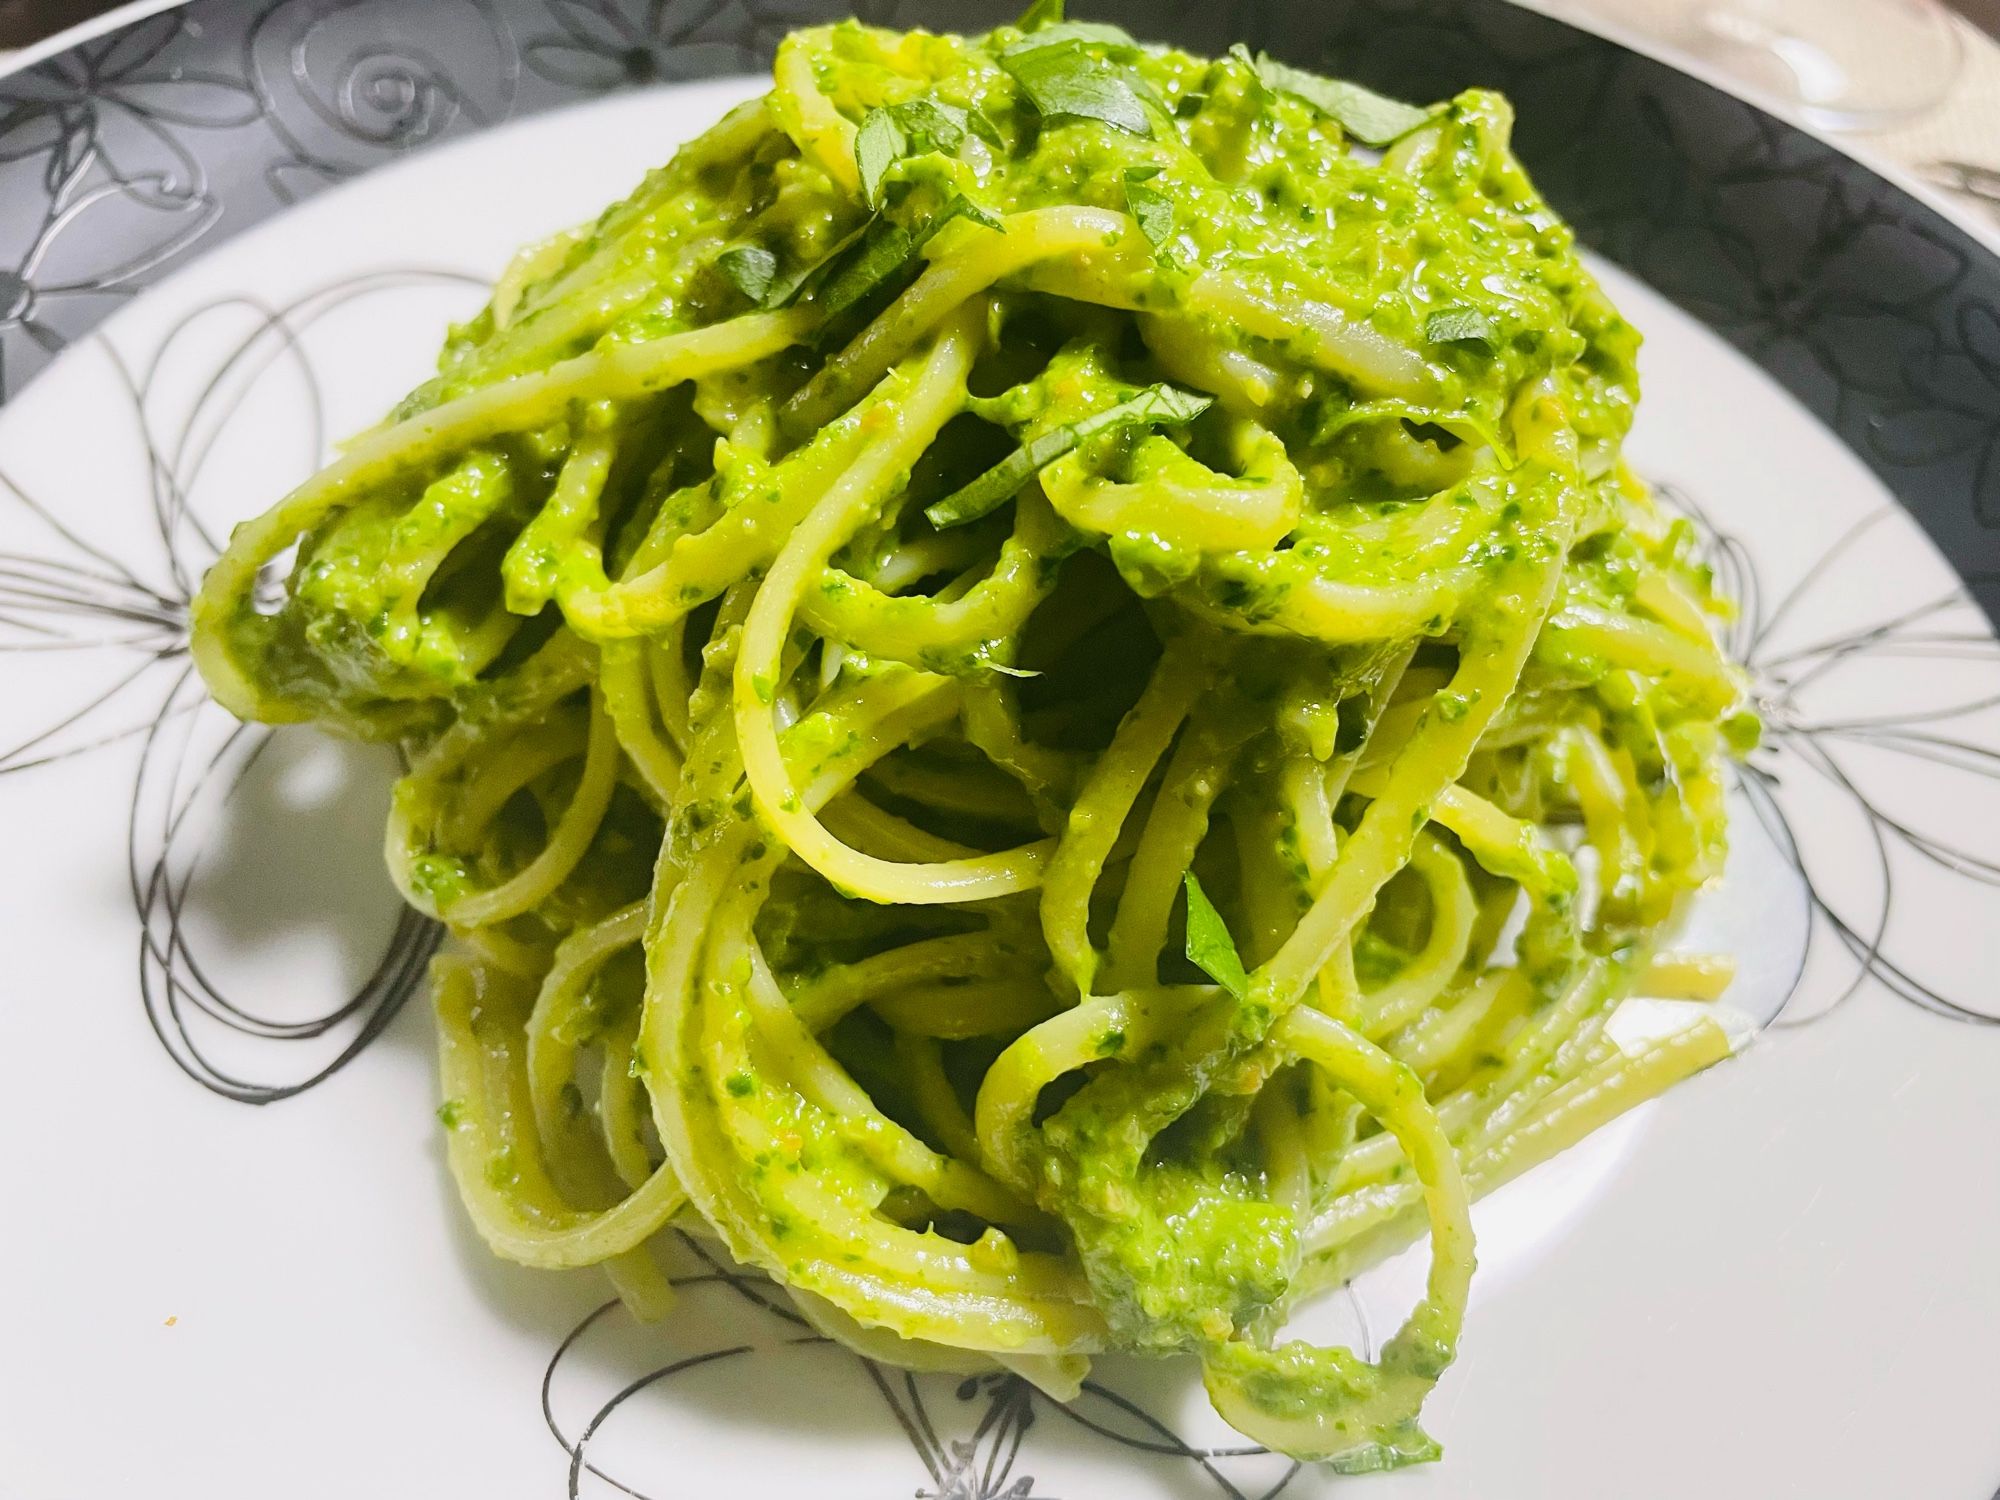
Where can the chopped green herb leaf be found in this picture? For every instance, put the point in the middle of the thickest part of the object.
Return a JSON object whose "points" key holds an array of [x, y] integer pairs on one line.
{"points": [[1063, 81], [784, 293], [748, 268], [1260, 90], [878, 145], [981, 124], [931, 124], [884, 250], [1209, 944], [912, 128], [1156, 405], [1152, 208], [1041, 14], [960, 207], [1369, 117], [1149, 95], [1460, 325], [1097, 32]]}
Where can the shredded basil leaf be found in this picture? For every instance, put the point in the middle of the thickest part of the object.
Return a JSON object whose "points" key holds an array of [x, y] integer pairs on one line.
{"points": [[1259, 90], [1156, 405], [1152, 208], [961, 207], [878, 145], [981, 124], [1063, 81], [748, 268], [783, 293], [1461, 325], [931, 124], [1102, 34], [1371, 118], [886, 248], [894, 131], [1209, 944], [1149, 95]]}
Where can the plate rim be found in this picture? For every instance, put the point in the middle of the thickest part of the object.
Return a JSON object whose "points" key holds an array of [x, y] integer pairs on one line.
{"points": [[149, 9]]}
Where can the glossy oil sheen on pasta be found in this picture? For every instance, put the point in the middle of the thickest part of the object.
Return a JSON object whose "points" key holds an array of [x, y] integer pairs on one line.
{"points": [[1037, 696]]}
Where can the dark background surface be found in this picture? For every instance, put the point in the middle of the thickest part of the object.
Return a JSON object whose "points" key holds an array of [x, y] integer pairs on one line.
{"points": [[25, 21]]}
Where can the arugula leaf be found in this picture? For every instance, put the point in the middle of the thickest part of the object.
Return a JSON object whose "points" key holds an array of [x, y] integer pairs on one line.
{"points": [[1459, 324], [1152, 208], [1209, 944], [1040, 14], [1371, 118], [1063, 81], [748, 268], [1156, 405], [1103, 34]]}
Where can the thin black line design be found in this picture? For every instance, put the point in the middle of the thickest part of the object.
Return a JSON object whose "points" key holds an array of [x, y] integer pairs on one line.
{"points": [[131, 620], [54, 606], [1948, 626], [981, 1466], [179, 792], [192, 760], [1798, 742]]}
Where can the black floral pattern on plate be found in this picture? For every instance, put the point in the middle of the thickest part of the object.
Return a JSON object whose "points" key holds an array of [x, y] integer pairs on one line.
{"points": [[102, 610], [124, 157], [978, 1437], [102, 181], [598, 45]]}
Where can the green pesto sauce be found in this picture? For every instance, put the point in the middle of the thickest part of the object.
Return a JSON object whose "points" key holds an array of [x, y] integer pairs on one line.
{"points": [[1239, 180], [1435, 250]]}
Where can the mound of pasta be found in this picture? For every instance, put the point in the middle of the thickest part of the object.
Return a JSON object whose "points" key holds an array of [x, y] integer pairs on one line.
{"points": [[1036, 695]]}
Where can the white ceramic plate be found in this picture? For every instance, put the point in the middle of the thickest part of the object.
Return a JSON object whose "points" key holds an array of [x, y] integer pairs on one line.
{"points": [[1778, 1281]]}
